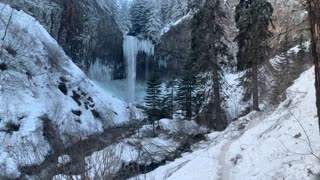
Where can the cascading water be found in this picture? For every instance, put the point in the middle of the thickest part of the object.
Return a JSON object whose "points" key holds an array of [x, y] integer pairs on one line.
{"points": [[131, 47]]}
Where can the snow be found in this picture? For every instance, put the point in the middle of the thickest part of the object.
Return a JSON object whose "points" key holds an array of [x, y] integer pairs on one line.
{"points": [[141, 148], [234, 95], [131, 47], [175, 125], [272, 144], [272, 140], [166, 28], [36, 67]]}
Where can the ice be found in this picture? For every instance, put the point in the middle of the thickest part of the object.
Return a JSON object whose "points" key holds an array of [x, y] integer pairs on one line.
{"points": [[99, 71], [131, 47]]}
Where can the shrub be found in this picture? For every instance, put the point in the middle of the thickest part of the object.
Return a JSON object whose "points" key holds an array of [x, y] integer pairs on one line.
{"points": [[11, 127]]}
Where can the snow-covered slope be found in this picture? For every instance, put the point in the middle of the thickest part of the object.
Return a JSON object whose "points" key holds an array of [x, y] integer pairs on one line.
{"points": [[37, 82], [278, 143]]}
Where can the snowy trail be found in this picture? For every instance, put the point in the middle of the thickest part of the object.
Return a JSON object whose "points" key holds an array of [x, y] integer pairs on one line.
{"points": [[225, 164]]}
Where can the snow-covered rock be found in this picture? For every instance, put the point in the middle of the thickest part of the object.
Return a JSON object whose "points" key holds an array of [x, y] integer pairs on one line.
{"points": [[39, 82]]}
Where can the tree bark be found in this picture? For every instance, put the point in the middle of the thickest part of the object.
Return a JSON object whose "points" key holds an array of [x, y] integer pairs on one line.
{"points": [[220, 120], [314, 16], [255, 87]]}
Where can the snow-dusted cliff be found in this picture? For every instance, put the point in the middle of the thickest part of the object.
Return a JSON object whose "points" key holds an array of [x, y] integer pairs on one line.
{"points": [[41, 88]]}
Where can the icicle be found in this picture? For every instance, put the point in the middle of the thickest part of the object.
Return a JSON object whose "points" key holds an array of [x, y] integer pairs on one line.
{"points": [[131, 47], [100, 72]]}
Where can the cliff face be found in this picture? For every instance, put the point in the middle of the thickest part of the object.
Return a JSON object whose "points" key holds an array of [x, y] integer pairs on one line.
{"points": [[47, 103], [174, 48], [289, 16], [86, 30]]}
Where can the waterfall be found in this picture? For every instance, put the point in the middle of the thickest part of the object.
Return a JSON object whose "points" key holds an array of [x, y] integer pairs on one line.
{"points": [[131, 47]]}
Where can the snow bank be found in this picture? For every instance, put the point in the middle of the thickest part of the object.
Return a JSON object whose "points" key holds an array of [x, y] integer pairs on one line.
{"points": [[273, 144], [37, 79]]}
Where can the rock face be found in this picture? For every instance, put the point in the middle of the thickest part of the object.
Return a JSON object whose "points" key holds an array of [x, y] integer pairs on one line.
{"points": [[86, 30], [46, 102], [174, 49], [288, 16]]}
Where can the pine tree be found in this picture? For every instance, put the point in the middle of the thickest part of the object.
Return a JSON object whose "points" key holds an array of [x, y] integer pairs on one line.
{"points": [[139, 17], [252, 19], [169, 99], [123, 14], [153, 99], [302, 47], [166, 9], [186, 88], [154, 23], [209, 52]]}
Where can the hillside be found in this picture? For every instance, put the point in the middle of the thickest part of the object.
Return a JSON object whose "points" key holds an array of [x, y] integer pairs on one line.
{"points": [[46, 101], [278, 143], [157, 90]]}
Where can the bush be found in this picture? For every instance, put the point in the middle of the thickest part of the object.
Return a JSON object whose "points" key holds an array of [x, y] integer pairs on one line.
{"points": [[11, 127]]}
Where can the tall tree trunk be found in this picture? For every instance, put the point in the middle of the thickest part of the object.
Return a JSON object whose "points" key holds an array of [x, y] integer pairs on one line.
{"points": [[255, 87], [219, 120], [189, 103], [314, 16]]}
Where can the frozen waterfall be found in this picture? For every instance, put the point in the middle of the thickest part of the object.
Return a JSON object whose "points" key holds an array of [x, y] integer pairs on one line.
{"points": [[131, 47], [100, 72]]}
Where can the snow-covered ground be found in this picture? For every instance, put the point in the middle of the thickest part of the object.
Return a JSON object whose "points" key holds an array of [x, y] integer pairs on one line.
{"points": [[141, 148], [277, 143], [37, 79]]}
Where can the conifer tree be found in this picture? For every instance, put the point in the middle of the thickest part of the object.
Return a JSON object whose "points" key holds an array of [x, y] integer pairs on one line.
{"points": [[166, 9], [169, 99], [139, 17], [154, 23], [186, 88], [153, 99], [209, 52], [252, 19]]}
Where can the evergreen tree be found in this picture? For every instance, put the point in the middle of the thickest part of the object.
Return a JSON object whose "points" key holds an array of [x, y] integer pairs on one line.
{"points": [[166, 9], [154, 23], [139, 17], [186, 88], [169, 99], [302, 47], [153, 99], [252, 19], [123, 14], [209, 52]]}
